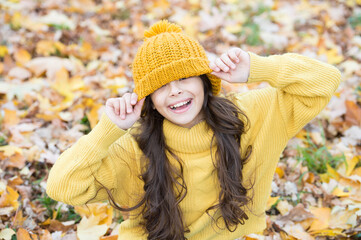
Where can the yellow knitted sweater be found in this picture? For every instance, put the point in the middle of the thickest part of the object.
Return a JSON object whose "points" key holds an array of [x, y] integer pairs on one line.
{"points": [[300, 88]]}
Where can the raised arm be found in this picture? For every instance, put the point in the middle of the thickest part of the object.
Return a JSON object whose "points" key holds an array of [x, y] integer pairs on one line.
{"points": [[93, 156], [302, 87], [97, 160]]}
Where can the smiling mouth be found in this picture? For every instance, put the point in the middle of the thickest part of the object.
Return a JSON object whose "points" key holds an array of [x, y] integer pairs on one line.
{"points": [[181, 105]]}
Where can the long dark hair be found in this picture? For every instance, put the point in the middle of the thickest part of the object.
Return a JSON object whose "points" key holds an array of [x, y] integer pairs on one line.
{"points": [[164, 186]]}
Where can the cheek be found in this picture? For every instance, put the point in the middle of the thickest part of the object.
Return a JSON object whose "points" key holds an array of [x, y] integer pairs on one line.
{"points": [[157, 99]]}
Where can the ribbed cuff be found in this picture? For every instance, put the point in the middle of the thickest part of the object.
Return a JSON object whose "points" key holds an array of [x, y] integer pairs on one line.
{"points": [[264, 68], [105, 132]]}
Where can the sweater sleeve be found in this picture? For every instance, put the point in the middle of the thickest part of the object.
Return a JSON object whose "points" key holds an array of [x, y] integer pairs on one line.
{"points": [[91, 162], [300, 88]]}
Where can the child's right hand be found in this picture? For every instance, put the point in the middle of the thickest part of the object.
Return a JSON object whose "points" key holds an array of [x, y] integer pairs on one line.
{"points": [[124, 111]]}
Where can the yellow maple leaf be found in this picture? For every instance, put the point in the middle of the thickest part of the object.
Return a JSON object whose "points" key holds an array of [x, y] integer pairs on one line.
{"points": [[102, 211], [9, 198], [322, 218]]}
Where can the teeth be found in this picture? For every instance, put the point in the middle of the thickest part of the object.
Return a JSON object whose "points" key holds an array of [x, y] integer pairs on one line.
{"points": [[179, 104]]}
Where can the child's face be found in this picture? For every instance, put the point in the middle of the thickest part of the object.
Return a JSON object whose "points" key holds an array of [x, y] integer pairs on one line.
{"points": [[180, 101]]}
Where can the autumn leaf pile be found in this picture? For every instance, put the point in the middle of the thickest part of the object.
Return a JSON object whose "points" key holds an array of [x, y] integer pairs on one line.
{"points": [[60, 60]]}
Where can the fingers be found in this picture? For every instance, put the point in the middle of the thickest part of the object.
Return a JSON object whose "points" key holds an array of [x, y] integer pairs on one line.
{"points": [[124, 105], [233, 53], [138, 106], [226, 61]]}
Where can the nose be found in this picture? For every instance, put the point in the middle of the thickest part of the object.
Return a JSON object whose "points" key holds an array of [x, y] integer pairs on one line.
{"points": [[174, 88]]}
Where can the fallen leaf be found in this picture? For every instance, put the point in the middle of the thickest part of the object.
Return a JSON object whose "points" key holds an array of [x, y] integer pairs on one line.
{"points": [[10, 150], [9, 198], [23, 234], [271, 201], [322, 218], [88, 228], [100, 210], [11, 117], [353, 113], [346, 169], [7, 233], [19, 73], [21, 57], [297, 214], [3, 50], [17, 160], [55, 225]]}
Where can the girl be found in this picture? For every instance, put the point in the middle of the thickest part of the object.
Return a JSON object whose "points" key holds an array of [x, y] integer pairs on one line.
{"points": [[186, 162]]}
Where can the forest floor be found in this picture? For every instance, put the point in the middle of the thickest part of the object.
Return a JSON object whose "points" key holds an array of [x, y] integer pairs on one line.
{"points": [[60, 60]]}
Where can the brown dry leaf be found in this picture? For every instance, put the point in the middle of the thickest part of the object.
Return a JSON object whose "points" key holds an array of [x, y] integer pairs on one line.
{"points": [[297, 214], [353, 113], [15, 181], [55, 225], [17, 160], [18, 220], [322, 218], [23, 234]]}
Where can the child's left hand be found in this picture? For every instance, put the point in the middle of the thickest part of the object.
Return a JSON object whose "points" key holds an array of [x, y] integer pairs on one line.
{"points": [[233, 66]]}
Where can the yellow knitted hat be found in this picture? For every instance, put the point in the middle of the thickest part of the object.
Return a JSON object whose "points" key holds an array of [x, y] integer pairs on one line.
{"points": [[167, 54]]}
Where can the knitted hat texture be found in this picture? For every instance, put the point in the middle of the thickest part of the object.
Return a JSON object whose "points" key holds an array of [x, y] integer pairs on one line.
{"points": [[167, 54]]}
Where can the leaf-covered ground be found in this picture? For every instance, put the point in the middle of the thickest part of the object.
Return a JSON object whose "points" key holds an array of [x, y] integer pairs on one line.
{"points": [[60, 60]]}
